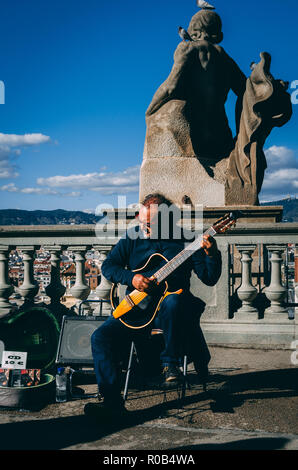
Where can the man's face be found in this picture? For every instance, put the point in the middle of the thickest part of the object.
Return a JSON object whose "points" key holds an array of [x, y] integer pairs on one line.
{"points": [[148, 219]]}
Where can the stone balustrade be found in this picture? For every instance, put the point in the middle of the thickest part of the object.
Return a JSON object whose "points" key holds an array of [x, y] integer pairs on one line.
{"points": [[247, 306], [55, 290], [5, 287], [247, 292]]}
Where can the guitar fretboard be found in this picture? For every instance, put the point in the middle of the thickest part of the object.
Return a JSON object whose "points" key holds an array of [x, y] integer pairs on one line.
{"points": [[179, 259]]}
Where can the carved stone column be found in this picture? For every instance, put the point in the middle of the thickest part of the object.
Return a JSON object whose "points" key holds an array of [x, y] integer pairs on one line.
{"points": [[55, 290], [275, 292], [80, 290], [104, 288], [6, 288], [30, 287], [246, 292]]}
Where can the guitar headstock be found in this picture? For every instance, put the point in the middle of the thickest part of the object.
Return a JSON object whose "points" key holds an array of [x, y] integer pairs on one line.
{"points": [[229, 220]]}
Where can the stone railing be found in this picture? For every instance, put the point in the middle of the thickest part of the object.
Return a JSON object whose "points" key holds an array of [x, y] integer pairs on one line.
{"points": [[247, 306], [55, 240]]}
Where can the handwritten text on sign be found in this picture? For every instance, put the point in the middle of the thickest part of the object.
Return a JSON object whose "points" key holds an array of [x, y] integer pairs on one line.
{"points": [[14, 360]]}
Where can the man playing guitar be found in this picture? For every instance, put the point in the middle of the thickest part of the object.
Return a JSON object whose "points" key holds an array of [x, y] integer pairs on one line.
{"points": [[177, 313]]}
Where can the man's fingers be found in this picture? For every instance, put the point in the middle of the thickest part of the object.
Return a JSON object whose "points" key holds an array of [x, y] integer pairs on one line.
{"points": [[207, 240], [208, 244], [143, 283], [148, 284]]}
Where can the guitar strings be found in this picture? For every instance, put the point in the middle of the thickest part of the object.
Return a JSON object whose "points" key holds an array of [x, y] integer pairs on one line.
{"points": [[166, 270], [179, 259], [171, 265]]}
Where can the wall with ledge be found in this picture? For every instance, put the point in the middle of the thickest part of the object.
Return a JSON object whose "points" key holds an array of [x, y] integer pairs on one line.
{"points": [[247, 308]]}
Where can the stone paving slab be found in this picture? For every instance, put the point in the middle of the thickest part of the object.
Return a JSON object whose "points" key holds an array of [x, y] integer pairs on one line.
{"points": [[251, 403], [190, 439]]}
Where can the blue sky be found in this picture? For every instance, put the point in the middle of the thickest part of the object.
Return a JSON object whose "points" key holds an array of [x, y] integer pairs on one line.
{"points": [[79, 76]]}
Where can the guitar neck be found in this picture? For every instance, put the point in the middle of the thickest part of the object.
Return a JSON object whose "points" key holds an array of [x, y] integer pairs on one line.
{"points": [[179, 259]]}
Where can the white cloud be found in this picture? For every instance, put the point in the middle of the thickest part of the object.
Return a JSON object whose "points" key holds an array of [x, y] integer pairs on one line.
{"points": [[72, 194], [125, 181], [12, 188], [37, 191], [9, 153], [281, 176], [286, 178], [14, 140], [8, 169], [280, 157], [89, 211]]}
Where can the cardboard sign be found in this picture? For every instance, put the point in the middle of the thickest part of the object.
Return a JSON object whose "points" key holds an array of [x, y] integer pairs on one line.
{"points": [[14, 360]]}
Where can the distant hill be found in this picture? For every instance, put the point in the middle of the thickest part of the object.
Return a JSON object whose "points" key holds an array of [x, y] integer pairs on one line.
{"points": [[290, 205], [38, 217], [63, 217]]}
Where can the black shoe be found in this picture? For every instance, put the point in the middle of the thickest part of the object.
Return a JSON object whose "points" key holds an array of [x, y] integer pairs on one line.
{"points": [[171, 374], [106, 412]]}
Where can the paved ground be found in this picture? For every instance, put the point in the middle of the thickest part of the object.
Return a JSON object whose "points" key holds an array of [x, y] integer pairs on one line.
{"points": [[251, 403]]}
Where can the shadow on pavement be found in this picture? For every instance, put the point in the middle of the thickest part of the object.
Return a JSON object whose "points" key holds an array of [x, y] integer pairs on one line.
{"points": [[60, 433], [237, 389], [261, 443]]}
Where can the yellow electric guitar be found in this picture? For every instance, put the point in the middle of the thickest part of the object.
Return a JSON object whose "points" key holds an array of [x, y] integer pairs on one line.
{"points": [[138, 309]]}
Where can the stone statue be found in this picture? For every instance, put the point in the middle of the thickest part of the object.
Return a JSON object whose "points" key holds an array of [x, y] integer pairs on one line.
{"points": [[266, 104], [190, 151]]}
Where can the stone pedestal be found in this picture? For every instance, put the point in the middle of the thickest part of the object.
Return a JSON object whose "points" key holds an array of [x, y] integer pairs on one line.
{"points": [[104, 288], [276, 292], [6, 288], [29, 288], [80, 290], [202, 181], [267, 215], [246, 292]]}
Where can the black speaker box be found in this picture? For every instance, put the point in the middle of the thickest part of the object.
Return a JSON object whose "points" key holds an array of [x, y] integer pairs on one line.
{"points": [[75, 339]]}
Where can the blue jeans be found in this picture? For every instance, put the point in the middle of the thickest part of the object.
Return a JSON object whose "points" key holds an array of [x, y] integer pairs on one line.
{"points": [[112, 338]]}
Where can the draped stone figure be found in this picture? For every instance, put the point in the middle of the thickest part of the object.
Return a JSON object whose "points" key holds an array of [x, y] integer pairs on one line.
{"points": [[190, 152], [266, 104]]}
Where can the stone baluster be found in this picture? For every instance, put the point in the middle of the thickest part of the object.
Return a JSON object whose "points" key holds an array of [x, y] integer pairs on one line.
{"points": [[30, 287], [275, 292], [6, 288], [55, 290], [80, 290], [104, 288], [246, 292]]}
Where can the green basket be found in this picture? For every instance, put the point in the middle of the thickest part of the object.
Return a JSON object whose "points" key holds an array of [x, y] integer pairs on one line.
{"points": [[35, 331]]}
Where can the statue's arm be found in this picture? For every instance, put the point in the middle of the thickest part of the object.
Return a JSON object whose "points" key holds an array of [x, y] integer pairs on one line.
{"points": [[170, 88]]}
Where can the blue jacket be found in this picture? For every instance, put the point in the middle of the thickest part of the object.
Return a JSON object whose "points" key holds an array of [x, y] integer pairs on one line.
{"points": [[132, 252]]}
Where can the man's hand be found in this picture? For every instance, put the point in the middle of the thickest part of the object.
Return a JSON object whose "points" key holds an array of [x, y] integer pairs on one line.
{"points": [[209, 245], [143, 284]]}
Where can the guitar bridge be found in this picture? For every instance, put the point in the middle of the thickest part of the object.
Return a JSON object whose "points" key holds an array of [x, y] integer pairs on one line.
{"points": [[129, 300]]}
